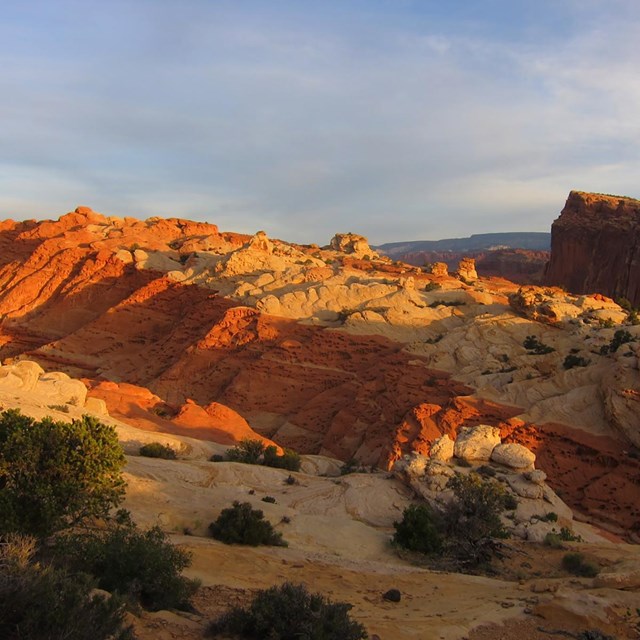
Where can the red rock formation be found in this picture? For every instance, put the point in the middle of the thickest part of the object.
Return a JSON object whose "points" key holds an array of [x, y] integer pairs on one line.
{"points": [[595, 246]]}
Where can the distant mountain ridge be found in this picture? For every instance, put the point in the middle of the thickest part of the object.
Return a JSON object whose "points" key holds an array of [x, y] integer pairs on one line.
{"points": [[531, 241]]}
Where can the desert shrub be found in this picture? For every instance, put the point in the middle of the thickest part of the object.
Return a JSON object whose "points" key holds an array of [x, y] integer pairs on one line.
{"points": [[577, 564], [553, 540], [509, 501], [240, 524], [432, 286], [620, 337], [39, 601], [59, 407], [269, 499], [289, 612], [419, 530], [573, 360], [289, 460], [566, 535], [446, 303], [158, 450], [552, 516], [535, 347], [216, 457], [142, 565], [472, 518], [55, 474], [247, 450]]}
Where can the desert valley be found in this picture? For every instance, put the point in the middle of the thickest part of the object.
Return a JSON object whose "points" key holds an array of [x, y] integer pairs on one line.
{"points": [[389, 379]]}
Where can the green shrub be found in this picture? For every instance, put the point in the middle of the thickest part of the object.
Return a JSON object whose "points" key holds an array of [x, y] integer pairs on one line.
{"points": [[289, 460], [553, 540], [289, 612], [419, 529], [552, 516], [620, 337], [216, 457], [269, 499], [39, 602], [247, 451], [577, 564], [568, 536], [573, 360], [535, 347], [432, 286], [594, 634], [139, 564], [56, 474], [240, 524], [158, 450]]}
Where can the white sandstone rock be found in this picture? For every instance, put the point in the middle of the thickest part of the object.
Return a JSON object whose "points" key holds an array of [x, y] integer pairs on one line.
{"points": [[476, 443]]}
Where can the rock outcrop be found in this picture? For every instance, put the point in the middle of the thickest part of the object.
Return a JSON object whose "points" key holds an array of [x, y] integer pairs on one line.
{"points": [[595, 246]]}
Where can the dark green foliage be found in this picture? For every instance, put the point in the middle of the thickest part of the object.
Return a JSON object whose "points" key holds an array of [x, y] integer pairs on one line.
{"points": [[472, 519], [289, 460], [625, 304], [566, 535], [247, 451], [141, 565], [553, 540], [552, 516], [40, 602], [240, 524], [509, 501], [432, 286], [419, 530], [535, 347], [573, 360], [64, 408], [269, 499], [577, 564], [158, 450], [216, 457], [290, 612], [620, 337], [56, 474]]}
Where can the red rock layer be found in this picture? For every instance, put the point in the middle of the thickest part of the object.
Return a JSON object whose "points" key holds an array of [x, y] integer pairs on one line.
{"points": [[592, 474], [595, 246]]}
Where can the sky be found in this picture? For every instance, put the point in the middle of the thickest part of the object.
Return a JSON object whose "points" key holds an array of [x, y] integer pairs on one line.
{"points": [[396, 119]]}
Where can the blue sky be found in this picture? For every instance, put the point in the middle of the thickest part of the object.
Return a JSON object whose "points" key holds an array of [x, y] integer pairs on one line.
{"points": [[397, 119]]}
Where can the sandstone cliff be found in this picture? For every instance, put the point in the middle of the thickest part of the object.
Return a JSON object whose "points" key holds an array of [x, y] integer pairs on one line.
{"points": [[595, 246]]}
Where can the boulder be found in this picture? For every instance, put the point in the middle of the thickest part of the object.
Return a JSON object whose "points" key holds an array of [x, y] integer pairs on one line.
{"points": [[514, 456], [23, 375], [442, 449], [411, 465], [476, 443], [537, 476]]}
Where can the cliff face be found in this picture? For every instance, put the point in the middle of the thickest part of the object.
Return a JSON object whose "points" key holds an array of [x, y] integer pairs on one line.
{"points": [[595, 246]]}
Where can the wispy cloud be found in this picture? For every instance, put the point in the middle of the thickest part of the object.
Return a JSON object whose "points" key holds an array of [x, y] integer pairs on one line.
{"points": [[394, 119]]}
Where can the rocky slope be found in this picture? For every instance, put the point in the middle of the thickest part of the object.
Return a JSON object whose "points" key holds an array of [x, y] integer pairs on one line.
{"points": [[594, 246], [332, 350]]}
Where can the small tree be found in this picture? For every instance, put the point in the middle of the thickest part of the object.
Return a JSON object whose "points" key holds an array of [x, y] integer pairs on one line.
{"points": [[158, 450], [39, 601], [142, 565], [240, 524], [288, 612], [55, 474], [472, 518], [419, 529], [248, 451], [290, 460]]}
